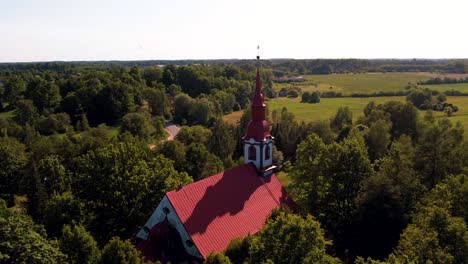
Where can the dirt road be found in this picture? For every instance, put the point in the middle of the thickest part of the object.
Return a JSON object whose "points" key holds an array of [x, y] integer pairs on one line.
{"points": [[172, 129]]}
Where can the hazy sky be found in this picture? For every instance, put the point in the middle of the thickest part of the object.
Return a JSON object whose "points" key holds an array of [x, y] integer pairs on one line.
{"points": [[45, 30]]}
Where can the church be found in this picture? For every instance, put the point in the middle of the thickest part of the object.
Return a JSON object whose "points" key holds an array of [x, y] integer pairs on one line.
{"points": [[203, 217]]}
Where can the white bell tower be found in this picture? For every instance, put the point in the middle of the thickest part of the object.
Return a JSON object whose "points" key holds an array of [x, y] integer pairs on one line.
{"points": [[258, 142]]}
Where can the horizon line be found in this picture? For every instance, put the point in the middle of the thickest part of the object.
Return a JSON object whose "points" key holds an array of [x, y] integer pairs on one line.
{"points": [[232, 59]]}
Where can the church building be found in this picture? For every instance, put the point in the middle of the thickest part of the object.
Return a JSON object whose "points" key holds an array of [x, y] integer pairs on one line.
{"points": [[203, 217]]}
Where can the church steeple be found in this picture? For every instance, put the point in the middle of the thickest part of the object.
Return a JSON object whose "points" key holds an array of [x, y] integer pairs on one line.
{"points": [[258, 142]]}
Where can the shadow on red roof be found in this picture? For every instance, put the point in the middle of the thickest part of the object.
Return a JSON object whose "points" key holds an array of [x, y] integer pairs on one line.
{"points": [[227, 205]]}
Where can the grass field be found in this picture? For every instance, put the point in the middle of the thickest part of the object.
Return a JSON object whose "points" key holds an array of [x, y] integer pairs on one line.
{"points": [[371, 82], [462, 114], [311, 112], [358, 83], [328, 107]]}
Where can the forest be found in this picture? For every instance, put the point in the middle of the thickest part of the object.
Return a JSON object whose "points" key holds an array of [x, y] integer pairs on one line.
{"points": [[78, 178]]}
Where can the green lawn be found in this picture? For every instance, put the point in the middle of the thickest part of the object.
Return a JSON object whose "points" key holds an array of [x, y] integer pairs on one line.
{"points": [[327, 106], [462, 114], [358, 83]]}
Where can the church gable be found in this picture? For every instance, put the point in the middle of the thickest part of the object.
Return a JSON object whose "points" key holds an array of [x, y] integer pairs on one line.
{"points": [[228, 205]]}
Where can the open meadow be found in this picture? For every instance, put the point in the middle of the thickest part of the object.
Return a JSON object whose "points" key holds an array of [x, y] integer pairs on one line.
{"points": [[328, 106], [369, 82]]}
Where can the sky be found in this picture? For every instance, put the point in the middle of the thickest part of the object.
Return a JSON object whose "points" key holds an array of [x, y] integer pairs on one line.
{"points": [[76, 30]]}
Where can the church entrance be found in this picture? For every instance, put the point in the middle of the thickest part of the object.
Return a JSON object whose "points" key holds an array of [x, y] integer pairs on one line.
{"points": [[165, 244]]}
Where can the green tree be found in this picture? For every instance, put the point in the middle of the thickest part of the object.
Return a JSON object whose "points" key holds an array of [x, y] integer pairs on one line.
{"points": [[54, 123], [403, 117], [158, 102], [440, 151], [286, 133], [45, 95], [14, 89], [434, 237], [194, 134], [78, 245], [322, 129], [222, 136], [289, 238], [182, 105], [378, 139], [217, 258], [53, 175], [25, 113], [169, 75], [152, 75], [84, 123], [387, 201], [238, 249], [278, 157], [22, 241], [327, 180], [314, 98], [174, 90], [120, 252], [421, 98], [439, 233], [202, 111], [226, 101], [62, 209], [12, 162], [130, 183], [72, 105], [175, 151], [342, 118], [305, 97], [111, 103], [200, 163], [137, 124]]}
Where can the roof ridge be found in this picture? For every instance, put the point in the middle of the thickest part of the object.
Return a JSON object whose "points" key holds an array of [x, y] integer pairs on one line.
{"points": [[210, 177]]}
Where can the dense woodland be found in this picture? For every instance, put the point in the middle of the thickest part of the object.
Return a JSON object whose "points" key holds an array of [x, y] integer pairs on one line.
{"points": [[78, 178]]}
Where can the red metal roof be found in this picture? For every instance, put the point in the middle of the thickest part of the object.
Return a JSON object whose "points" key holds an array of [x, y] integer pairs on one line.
{"points": [[227, 205]]}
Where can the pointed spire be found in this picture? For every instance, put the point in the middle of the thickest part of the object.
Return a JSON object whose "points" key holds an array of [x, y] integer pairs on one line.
{"points": [[257, 101], [258, 126]]}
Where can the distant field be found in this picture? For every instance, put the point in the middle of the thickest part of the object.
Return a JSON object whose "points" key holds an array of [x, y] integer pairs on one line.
{"points": [[462, 114], [328, 106], [371, 82], [358, 83], [311, 112]]}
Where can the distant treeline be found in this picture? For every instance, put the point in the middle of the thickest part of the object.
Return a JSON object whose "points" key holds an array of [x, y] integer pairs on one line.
{"points": [[445, 80], [332, 94], [280, 67]]}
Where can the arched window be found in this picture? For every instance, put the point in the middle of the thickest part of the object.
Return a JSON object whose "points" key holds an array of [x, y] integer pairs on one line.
{"points": [[252, 153], [267, 152]]}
